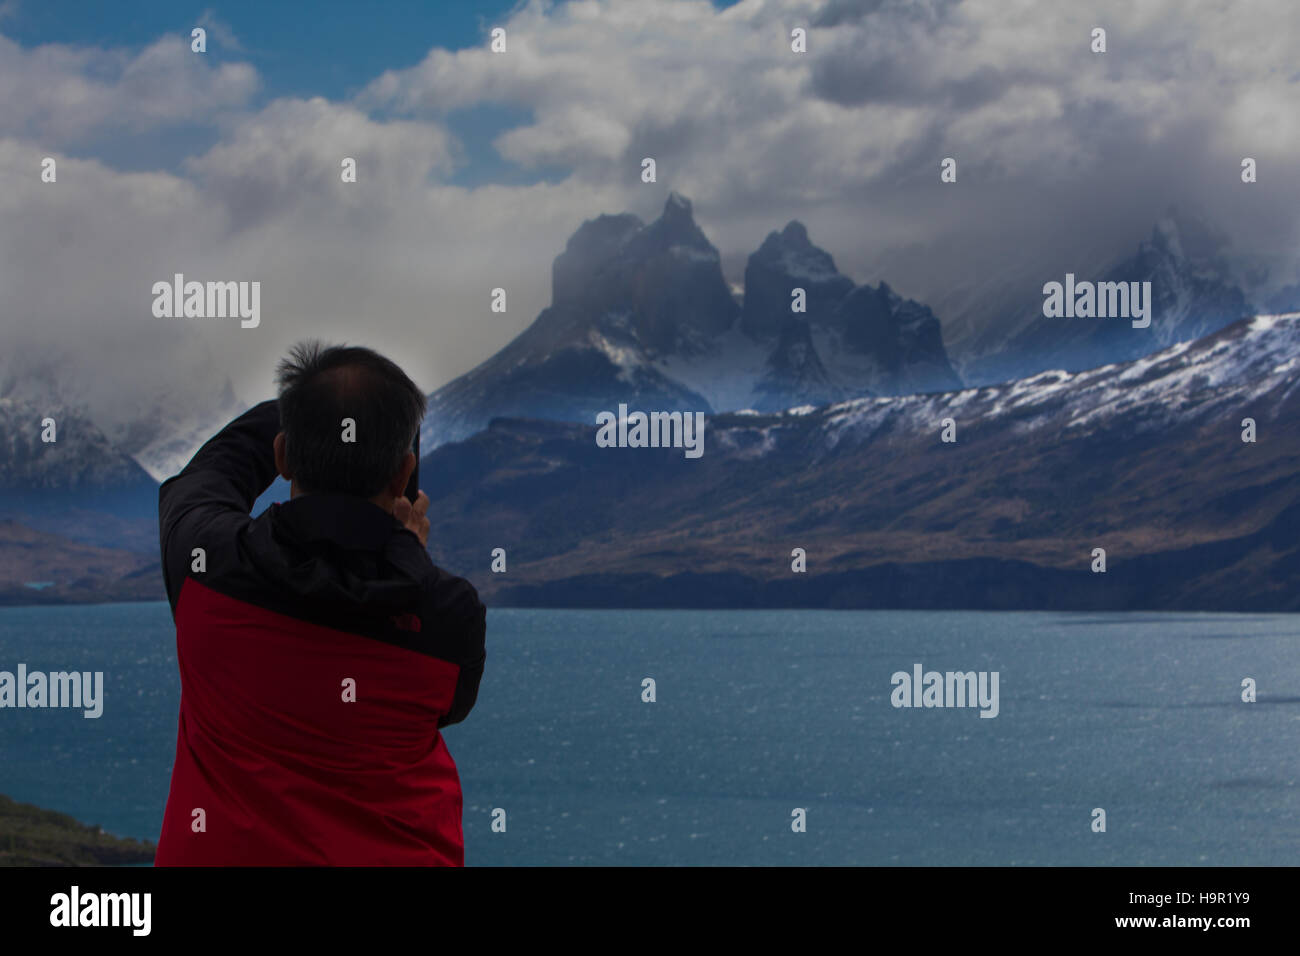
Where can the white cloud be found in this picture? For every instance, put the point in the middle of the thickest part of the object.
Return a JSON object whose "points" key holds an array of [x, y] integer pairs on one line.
{"points": [[62, 95], [220, 31]]}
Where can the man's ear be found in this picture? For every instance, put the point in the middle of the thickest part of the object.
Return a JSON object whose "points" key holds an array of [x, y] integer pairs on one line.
{"points": [[281, 462], [397, 487]]}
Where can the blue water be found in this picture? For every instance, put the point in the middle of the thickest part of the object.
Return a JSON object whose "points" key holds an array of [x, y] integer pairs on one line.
{"points": [[760, 712]]}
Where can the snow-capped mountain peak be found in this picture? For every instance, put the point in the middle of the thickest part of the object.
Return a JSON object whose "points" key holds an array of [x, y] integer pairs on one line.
{"points": [[642, 313]]}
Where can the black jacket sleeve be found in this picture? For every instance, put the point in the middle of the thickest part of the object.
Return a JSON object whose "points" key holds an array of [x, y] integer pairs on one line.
{"points": [[213, 495], [473, 633]]}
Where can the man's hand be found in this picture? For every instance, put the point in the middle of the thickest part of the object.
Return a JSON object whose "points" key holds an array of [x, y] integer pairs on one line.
{"points": [[415, 517]]}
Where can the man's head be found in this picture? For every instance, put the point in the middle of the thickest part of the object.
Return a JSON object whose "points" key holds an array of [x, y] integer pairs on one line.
{"points": [[321, 387]]}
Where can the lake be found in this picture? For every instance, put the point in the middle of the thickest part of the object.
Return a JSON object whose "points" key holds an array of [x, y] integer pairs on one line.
{"points": [[761, 712]]}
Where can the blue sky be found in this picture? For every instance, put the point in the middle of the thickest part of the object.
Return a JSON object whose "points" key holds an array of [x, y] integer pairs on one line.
{"points": [[327, 48]]}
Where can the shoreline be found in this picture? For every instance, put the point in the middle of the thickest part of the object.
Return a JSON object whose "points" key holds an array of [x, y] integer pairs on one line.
{"points": [[33, 836]]}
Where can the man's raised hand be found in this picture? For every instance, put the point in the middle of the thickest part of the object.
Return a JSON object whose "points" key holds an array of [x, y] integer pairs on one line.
{"points": [[415, 517]]}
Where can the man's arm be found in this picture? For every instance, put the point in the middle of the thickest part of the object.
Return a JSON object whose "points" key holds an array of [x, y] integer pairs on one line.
{"points": [[225, 477], [464, 608], [471, 668]]}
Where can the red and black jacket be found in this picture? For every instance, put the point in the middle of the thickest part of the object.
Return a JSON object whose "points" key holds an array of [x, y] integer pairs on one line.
{"points": [[320, 652]]}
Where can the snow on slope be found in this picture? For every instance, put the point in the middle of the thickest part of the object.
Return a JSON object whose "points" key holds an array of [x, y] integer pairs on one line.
{"points": [[79, 458], [1220, 376], [159, 419]]}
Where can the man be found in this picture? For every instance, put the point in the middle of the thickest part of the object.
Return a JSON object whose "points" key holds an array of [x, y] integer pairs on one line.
{"points": [[320, 650]]}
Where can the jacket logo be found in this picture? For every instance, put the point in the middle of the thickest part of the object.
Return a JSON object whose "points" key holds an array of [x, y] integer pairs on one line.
{"points": [[407, 622]]}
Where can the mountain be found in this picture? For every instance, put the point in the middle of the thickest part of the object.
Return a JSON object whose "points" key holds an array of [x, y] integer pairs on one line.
{"points": [[641, 314], [79, 462], [79, 486], [866, 340], [1193, 294], [1284, 299], [38, 567], [97, 484], [159, 418], [1144, 459], [164, 435]]}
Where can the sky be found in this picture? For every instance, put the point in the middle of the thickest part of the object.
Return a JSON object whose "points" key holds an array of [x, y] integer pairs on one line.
{"points": [[475, 167]]}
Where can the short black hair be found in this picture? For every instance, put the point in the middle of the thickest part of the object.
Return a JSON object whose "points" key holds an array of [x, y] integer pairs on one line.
{"points": [[320, 386]]}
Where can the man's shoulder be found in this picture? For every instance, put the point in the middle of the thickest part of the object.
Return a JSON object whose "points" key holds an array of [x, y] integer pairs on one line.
{"points": [[450, 594]]}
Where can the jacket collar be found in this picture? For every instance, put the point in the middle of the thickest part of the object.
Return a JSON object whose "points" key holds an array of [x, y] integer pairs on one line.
{"points": [[351, 523]]}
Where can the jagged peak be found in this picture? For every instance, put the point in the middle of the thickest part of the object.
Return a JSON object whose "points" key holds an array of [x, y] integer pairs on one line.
{"points": [[675, 228], [677, 205], [793, 237], [605, 229], [678, 219], [594, 242], [796, 233], [1184, 234], [793, 253]]}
